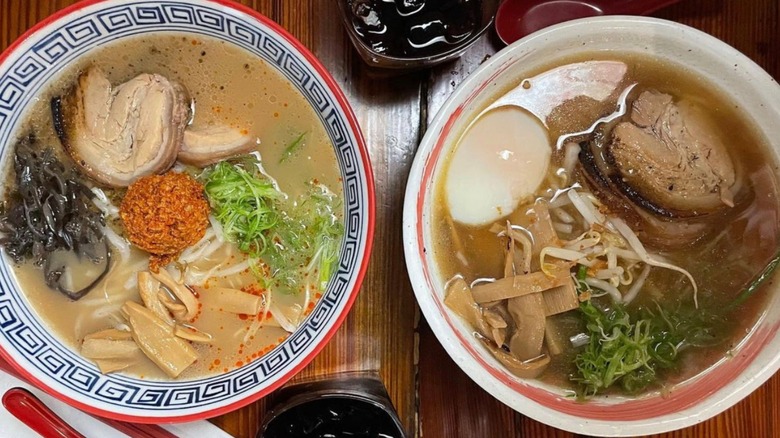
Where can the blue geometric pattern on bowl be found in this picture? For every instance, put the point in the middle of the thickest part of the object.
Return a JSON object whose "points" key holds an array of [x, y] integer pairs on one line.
{"points": [[56, 365]]}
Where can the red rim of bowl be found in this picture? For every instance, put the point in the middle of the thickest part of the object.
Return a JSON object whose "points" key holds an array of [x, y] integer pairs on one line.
{"points": [[370, 213], [688, 394]]}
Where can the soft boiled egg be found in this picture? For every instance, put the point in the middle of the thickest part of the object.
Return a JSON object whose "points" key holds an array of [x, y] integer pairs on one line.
{"points": [[500, 160]]}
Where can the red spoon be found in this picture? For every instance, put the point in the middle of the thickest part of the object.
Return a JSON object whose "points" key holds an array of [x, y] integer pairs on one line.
{"points": [[31, 411], [518, 18], [18, 398]]}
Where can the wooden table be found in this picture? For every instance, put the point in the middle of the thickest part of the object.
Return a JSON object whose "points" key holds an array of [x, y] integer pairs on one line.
{"points": [[384, 331]]}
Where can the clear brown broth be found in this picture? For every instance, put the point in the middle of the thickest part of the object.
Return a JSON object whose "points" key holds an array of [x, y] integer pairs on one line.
{"points": [[723, 264], [230, 86]]}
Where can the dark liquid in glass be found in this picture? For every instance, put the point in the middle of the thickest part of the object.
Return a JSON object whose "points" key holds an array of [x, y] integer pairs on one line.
{"points": [[333, 417], [415, 28]]}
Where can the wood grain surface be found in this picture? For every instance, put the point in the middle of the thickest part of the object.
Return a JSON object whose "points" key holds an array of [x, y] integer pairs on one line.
{"points": [[383, 332]]}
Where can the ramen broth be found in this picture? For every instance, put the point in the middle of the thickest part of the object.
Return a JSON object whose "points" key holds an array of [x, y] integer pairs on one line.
{"points": [[229, 87], [722, 262]]}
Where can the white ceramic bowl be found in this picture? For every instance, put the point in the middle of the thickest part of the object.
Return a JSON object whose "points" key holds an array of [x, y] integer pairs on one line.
{"points": [[33, 60], [751, 88]]}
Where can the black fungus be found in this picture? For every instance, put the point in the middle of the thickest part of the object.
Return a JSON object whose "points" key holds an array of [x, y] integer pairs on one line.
{"points": [[58, 118], [51, 211]]}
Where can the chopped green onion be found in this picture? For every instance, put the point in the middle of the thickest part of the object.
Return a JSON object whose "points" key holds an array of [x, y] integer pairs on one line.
{"points": [[293, 147], [309, 237], [299, 244], [756, 282], [582, 272], [243, 204], [630, 351]]}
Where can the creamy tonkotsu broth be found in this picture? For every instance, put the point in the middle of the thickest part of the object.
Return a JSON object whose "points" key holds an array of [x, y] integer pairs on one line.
{"points": [[228, 86], [232, 88], [723, 250]]}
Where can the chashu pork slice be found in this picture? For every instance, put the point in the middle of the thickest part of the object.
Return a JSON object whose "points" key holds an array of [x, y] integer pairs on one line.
{"points": [[214, 143], [117, 134], [670, 160]]}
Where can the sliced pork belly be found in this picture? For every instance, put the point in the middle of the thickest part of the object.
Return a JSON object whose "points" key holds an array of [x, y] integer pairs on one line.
{"points": [[119, 134]]}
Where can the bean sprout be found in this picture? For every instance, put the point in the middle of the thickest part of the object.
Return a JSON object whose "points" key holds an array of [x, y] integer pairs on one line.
{"points": [[570, 156], [481, 280], [606, 287], [563, 228], [637, 286], [636, 245], [586, 209], [563, 215]]}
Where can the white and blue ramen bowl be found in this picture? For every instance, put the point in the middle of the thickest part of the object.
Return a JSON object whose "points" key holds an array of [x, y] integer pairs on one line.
{"points": [[25, 341]]}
